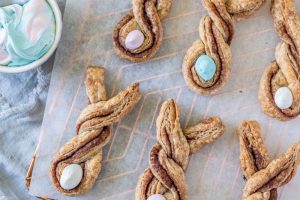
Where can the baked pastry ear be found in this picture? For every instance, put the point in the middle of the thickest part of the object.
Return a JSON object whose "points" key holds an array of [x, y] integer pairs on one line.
{"points": [[276, 174], [254, 155], [169, 157], [138, 35], [262, 175], [76, 166], [279, 90], [207, 64]]}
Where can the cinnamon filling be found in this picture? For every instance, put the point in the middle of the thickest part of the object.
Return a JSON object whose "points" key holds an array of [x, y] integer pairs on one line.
{"points": [[274, 182], [215, 51], [146, 21], [258, 159], [155, 165], [228, 24], [90, 122], [85, 147], [161, 172]]}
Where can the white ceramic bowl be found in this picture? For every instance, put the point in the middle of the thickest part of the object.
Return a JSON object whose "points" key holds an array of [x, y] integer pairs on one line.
{"points": [[44, 58]]}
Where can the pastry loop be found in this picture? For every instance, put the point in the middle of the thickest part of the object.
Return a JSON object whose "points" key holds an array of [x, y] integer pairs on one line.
{"points": [[146, 16], [93, 132], [278, 173], [254, 155], [169, 157], [216, 32], [285, 70], [263, 176]]}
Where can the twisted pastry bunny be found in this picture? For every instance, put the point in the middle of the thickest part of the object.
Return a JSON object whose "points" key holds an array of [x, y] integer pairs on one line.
{"points": [[264, 177], [169, 157], [207, 64], [76, 166], [254, 155], [138, 36], [279, 94]]}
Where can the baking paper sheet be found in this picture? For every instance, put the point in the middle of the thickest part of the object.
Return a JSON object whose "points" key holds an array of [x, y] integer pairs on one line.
{"points": [[214, 171]]}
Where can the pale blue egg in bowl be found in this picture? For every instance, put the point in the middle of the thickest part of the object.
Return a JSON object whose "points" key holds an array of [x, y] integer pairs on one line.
{"points": [[30, 31]]}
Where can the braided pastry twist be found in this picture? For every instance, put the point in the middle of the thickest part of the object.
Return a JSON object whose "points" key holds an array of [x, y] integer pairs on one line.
{"points": [[264, 177], [283, 74], [169, 157], [145, 18], [93, 132], [216, 32], [254, 155]]}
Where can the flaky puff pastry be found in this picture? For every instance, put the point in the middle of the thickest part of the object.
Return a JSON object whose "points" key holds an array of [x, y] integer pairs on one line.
{"points": [[285, 70], [169, 157], [262, 175], [146, 16], [93, 131], [254, 155], [216, 32]]}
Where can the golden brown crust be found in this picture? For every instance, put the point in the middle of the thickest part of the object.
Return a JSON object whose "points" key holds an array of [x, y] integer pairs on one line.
{"points": [[241, 9], [278, 173], [93, 131], [216, 32], [95, 85], [205, 132], [285, 70], [169, 157], [146, 16], [262, 176], [253, 154]]}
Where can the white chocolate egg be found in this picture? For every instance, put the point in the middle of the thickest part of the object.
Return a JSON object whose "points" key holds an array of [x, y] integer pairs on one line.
{"points": [[134, 39], [71, 176], [156, 197], [283, 98]]}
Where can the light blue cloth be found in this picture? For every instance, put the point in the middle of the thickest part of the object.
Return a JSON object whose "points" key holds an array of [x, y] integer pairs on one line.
{"points": [[22, 99], [22, 103]]}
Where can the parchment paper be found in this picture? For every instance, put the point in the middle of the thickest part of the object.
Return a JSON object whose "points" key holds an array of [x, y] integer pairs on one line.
{"points": [[214, 172]]}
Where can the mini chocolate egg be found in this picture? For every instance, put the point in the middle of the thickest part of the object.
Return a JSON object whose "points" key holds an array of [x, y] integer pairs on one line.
{"points": [[283, 98], [71, 176], [205, 67], [134, 39], [156, 197]]}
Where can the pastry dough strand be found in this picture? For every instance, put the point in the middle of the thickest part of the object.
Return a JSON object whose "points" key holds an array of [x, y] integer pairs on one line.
{"points": [[145, 16], [285, 70], [169, 157], [93, 131], [216, 32]]}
